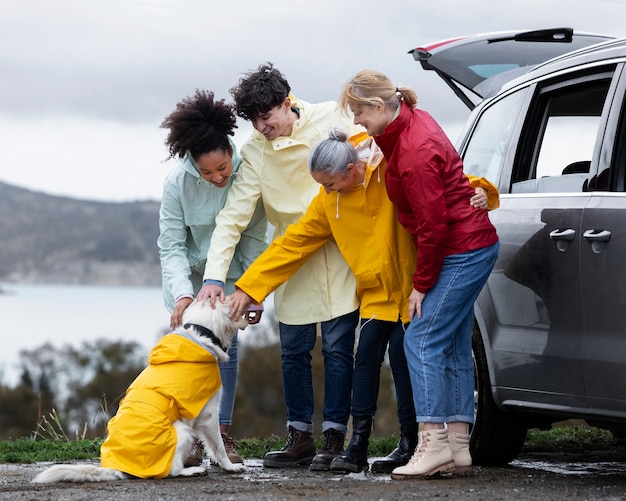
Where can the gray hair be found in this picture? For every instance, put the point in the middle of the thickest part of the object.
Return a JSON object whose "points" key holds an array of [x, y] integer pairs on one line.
{"points": [[331, 156]]}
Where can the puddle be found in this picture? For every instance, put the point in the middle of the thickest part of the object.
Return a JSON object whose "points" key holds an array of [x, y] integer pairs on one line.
{"points": [[579, 468]]}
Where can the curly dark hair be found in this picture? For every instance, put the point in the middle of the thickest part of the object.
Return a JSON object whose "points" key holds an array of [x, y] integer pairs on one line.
{"points": [[199, 125], [259, 91]]}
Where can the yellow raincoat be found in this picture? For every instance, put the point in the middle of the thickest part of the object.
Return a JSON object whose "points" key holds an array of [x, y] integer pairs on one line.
{"points": [[365, 226], [181, 377]]}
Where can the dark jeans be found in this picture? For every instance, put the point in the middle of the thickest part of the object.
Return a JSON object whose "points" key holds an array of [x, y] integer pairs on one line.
{"points": [[375, 336], [296, 343]]}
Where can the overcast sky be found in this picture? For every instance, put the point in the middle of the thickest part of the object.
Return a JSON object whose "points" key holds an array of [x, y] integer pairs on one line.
{"points": [[85, 84]]}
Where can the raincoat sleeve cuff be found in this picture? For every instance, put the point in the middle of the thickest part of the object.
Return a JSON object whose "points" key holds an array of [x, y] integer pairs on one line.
{"points": [[210, 281]]}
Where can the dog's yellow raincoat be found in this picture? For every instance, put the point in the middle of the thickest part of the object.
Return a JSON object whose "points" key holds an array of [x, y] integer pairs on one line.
{"points": [[181, 377]]}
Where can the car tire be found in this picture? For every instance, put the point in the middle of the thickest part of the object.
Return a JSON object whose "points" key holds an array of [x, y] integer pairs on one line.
{"points": [[497, 437]]}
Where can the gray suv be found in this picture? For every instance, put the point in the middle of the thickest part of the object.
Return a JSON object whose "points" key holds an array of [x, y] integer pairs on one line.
{"points": [[550, 324]]}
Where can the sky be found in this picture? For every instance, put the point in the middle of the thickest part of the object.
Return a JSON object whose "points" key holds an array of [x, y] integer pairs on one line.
{"points": [[85, 84]]}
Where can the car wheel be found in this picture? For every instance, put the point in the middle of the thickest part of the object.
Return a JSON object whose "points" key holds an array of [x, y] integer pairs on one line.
{"points": [[497, 437]]}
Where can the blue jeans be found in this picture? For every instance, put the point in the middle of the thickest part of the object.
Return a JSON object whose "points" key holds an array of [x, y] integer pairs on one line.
{"points": [[374, 337], [438, 346], [296, 343], [228, 372]]}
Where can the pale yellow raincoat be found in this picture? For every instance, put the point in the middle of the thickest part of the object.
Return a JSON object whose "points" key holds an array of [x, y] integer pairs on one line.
{"points": [[181, 377], [365, 226], [277, 172]]}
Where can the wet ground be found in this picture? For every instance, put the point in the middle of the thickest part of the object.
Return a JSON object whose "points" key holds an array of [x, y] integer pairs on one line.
{"points": [[558, 476]]}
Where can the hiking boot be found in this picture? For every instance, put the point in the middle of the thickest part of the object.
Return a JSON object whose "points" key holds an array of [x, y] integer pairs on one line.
{"points": [[332, 447], [354, 459], [459, 445], [431, 458], [229, 445], [401, 454], [194, 458], [298, 450]]}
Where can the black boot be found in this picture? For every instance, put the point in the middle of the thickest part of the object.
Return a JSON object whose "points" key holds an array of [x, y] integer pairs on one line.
{"points": [[401, 454], [354, 459]]}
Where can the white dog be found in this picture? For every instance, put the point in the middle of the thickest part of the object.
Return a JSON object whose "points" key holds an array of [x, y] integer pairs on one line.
{"points": [[173, 399]]}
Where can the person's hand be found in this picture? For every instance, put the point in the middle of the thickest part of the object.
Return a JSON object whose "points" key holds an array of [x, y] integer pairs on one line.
{"points": [[181, 305], [480, 199], [415, 304], [239, 304], [211, 293]]}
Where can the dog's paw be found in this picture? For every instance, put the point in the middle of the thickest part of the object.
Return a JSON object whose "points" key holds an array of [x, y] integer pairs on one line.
{"points": [[193, 471], [235, 468]]}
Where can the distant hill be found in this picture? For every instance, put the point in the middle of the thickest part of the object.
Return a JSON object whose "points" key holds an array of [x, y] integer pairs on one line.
{"points": [[50, 239]]}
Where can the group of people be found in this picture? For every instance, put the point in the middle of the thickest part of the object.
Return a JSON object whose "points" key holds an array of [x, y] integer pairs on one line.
{"points": [[396, 245]]}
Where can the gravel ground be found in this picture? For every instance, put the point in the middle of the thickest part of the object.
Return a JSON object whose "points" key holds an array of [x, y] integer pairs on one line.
{"points": [[588, 476]]}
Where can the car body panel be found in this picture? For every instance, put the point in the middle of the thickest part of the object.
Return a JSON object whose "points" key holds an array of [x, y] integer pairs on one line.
{"points": [[561, 346]]}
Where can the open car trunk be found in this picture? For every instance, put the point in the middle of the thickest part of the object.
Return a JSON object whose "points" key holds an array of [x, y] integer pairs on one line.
{"points": [[476, 67]]}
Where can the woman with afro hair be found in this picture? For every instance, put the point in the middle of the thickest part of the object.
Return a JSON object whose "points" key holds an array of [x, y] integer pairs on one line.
{"points": [[200, 136]]}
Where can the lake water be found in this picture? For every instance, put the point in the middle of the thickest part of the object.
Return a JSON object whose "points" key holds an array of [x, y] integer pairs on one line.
{"points": [[35, 314], [32, 315]]}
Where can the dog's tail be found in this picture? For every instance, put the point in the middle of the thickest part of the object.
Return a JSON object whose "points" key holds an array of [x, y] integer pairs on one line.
{"points": [[78, 473]]}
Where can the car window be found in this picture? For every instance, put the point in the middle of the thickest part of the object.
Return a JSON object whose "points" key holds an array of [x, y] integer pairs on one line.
{"points": [[579, 133], [559, 137], [486, 147], [614, 149]]}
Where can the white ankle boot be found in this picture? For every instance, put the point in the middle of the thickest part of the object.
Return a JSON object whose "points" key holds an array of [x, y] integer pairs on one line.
{"points": [[432, 456], [459, 446]]}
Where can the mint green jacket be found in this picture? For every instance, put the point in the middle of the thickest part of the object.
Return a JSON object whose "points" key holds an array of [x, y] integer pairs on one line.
{"points": [[189, 208]]}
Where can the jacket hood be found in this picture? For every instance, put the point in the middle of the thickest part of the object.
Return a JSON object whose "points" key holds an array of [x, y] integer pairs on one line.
{"points": [[367, 149], [177, 347]]}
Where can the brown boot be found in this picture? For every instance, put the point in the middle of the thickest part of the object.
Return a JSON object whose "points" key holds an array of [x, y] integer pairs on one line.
{"points": [[298, 450], [332, 447], [194, 458], [231, 449]]}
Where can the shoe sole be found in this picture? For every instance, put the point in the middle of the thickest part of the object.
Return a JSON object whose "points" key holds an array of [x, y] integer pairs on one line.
{"points": [[434, 473], [349, 469], [345, 471], [268, 463], [319, 467], [384, 469], [463, 471]]}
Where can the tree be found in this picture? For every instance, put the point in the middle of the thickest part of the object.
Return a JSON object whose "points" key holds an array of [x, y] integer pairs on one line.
{"points": [[82, 385]]}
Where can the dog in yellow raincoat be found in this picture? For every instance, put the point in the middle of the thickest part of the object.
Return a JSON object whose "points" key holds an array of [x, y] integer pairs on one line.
{"points": [[173, 399]]}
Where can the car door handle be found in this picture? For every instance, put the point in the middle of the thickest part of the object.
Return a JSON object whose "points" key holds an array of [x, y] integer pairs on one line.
{"points": [[567, 235], [598, 239], [562, 237], [597, 235]]}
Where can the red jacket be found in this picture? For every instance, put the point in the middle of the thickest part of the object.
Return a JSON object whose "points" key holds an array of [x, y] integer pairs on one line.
{"points": [[425, 181]]}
